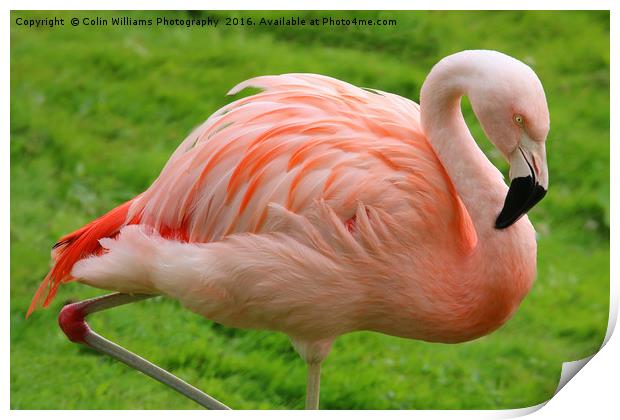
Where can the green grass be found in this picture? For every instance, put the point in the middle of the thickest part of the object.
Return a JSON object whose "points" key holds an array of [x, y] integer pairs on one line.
{"points": [[95, 113]]}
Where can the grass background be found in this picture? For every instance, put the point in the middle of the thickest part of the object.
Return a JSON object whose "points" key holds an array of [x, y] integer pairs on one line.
{"points": [[96, 112]]}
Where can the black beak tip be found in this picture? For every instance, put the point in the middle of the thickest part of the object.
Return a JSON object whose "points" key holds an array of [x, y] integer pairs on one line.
{"points": [[502, 223], [522, 195]]}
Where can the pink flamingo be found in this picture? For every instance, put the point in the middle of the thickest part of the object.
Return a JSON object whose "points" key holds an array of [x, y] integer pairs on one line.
{"points": [[317, 208]]}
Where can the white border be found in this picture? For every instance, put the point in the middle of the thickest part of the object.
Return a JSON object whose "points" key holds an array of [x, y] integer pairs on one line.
{"points": [[311, 5], [592, 392]]}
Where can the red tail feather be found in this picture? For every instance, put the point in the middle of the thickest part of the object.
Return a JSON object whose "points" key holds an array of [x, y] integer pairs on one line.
{"points": [[75, 246]]}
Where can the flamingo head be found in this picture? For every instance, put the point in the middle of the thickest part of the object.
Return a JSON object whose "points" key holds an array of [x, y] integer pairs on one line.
{"points": [[510, 104]]}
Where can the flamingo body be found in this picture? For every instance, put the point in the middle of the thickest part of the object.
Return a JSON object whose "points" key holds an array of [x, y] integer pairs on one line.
{"points": [[315, 208]]}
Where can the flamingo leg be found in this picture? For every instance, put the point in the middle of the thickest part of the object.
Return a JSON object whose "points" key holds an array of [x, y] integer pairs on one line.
{"points": [[72, 320], [314, 385]]}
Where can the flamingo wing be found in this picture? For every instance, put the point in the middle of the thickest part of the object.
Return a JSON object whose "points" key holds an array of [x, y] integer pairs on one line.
{"points": [[305, 137]]}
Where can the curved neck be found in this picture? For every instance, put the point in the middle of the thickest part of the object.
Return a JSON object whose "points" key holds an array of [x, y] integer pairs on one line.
{"points": [[478, 183]]}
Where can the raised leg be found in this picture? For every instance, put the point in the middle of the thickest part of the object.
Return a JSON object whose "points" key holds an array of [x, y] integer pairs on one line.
{"points": [[72, 320], [314, 385]]}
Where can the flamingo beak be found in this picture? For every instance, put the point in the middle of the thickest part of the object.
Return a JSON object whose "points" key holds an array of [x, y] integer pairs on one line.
{"points": [[529, 180]]}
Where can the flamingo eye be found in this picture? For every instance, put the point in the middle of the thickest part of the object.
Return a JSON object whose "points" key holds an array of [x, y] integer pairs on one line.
{"points": [[518, 119]]}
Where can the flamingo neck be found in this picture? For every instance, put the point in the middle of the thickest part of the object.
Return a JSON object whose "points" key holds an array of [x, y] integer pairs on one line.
{"points": [[476, 180]]}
